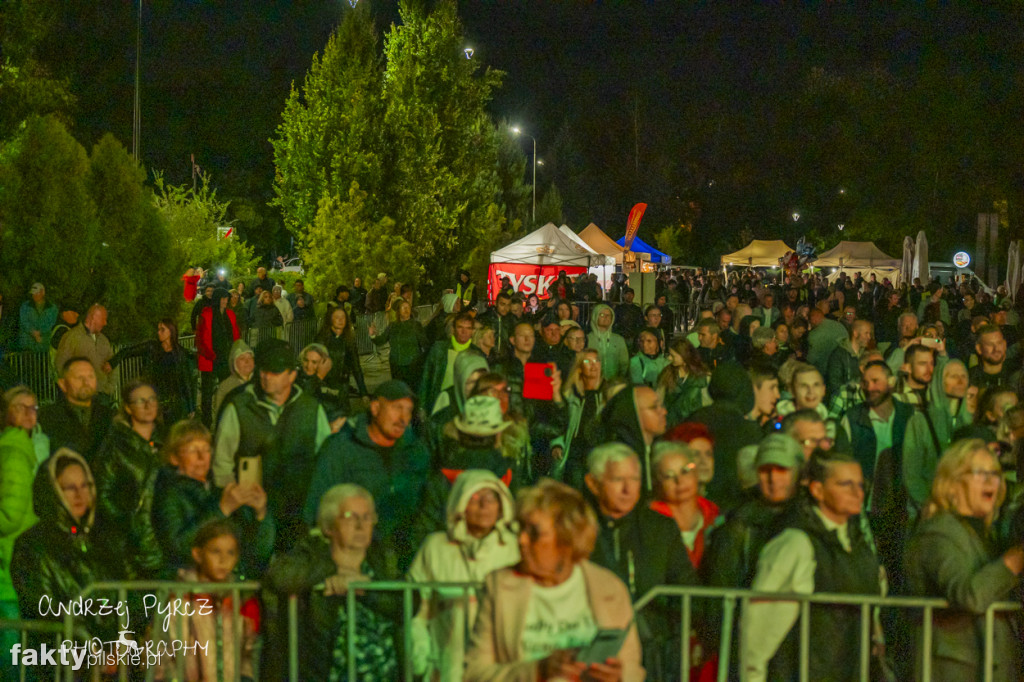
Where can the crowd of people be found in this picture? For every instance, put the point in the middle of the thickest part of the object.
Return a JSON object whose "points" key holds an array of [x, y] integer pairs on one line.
{"points": [[775, 432]]}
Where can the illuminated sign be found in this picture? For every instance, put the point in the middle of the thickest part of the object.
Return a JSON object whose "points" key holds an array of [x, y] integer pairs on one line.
{"points": [[961, 259]]}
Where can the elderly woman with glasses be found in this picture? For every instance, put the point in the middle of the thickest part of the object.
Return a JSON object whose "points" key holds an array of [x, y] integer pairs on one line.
{"points": [[537, 619], [319, 570], [677, 491], [953, 556]]}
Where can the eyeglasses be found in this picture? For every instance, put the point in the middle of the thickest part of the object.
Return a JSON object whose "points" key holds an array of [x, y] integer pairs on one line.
{"points": [[687, 470], [986, 475], [817, 442], [26, 408], [365, 519]]}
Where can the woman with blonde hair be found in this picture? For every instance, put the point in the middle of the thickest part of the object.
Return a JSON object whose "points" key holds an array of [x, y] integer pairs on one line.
{"points": [[584, 398], [953, 556], [535, 618]]}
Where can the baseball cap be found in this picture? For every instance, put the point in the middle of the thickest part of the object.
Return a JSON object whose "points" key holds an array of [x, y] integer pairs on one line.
{"points": [[780, 450], [275, 356], [394, 390]]}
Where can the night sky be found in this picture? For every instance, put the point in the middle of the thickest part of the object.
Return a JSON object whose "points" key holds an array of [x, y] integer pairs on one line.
{"points": [[678, 89]]}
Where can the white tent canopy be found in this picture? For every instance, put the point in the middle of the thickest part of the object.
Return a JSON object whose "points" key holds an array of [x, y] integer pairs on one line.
{"points": [[759, 253], [547, 246], [599, 259], [856, 255]]}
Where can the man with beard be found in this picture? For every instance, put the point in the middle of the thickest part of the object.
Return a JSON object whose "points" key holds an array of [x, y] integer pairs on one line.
{"points": [[906, 332], [876, 429], [919, 363], [993, 369]]}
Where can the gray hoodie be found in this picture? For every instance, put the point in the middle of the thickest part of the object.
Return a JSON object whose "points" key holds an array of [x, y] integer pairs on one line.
{"points": [[610, 347], [238, 349]]}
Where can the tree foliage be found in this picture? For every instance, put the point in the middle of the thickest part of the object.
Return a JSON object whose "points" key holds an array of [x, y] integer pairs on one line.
{"points": [[138, 266], [193, 216], [549, 208], [27, 86], [85, 226], [49, 230], [393, 151]]}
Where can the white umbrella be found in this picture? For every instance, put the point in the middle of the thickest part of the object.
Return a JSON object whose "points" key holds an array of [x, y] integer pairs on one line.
{"points": [[921, 258], [1013, 269], [907, 266]]}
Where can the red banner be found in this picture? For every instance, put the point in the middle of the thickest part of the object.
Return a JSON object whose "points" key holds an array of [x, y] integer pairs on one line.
{"points": [[527, 279], [633, 224]]}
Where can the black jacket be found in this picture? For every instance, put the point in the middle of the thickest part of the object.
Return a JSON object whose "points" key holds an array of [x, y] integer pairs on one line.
{"points": [[181, 505], [59, 556], [645, 549], [126, 469], [298, 572], [61, 424], [733, 395]]}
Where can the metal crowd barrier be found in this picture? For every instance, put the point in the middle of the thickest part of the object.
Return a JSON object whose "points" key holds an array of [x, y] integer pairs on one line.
{"points": [[162, 591], [24, 627], [730, 597], [407, 589], [867, 603]]}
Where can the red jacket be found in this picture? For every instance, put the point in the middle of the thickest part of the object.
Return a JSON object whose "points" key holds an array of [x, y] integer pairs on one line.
{"points": [[204, 337]]}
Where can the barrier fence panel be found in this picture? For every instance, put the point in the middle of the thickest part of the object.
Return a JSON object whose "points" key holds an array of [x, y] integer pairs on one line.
{"points": [[407, 589], [161, 592], [147, 653], [867, 604], [24, 627]]}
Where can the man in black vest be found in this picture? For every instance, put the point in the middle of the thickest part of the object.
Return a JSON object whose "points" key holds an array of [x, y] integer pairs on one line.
{"points": [[821, 550], [274, 420], [876, 428]]}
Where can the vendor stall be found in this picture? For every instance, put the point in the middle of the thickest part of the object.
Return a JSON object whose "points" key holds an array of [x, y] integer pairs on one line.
{"points": [[533, 262]]}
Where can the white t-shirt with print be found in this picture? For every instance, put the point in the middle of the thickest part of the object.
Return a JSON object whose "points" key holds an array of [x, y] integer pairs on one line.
{"points": [[558, 617]]}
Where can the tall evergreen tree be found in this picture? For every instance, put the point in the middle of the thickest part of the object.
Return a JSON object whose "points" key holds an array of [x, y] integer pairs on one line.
{"points": [[392, 153], [138, 264], [48, 224]]}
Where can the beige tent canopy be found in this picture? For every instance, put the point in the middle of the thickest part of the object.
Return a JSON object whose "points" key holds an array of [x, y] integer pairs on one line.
{"points": [[856, 256], [759, 253], [595, 238]]}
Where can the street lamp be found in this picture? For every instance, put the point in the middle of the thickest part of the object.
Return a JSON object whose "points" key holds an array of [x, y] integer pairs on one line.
{"points": [[517, 131], [468, 52], [137, 113]]}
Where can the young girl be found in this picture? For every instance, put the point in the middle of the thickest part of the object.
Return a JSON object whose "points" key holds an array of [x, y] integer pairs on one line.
{"points": [[209, 632]]}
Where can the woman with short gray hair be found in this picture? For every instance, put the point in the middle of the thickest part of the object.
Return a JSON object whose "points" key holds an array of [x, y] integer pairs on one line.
{"points": [[338, 553]]}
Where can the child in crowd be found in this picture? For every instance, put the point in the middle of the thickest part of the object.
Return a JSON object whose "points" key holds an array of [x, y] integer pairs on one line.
{"points": [[206, 638]]}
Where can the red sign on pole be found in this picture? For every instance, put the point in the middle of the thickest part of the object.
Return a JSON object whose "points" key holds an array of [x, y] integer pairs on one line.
{"points": [[633, 224]]}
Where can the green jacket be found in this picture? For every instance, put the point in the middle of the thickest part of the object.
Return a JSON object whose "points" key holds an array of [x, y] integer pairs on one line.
{"points": [[408, 342], [953, 558], [17, 469], [929, 433]]}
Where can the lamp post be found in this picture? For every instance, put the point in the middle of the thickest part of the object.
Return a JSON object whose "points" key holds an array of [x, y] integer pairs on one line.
{"points": [[517, 131], [137, 113]]}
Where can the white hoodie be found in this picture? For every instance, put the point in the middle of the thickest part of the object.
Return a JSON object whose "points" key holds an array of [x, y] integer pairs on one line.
{"points": [[439, 629]]}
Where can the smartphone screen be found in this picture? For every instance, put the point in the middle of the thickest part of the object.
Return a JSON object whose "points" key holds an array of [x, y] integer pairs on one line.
{"points": [[538, 380], [250, 470]]}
